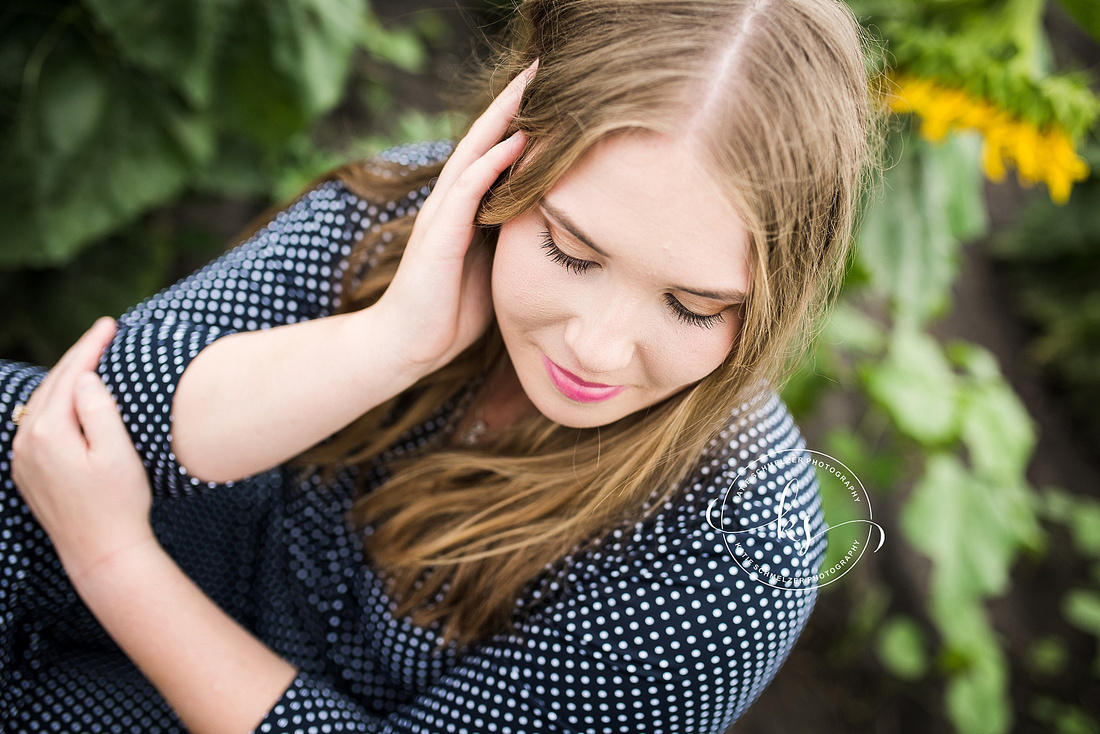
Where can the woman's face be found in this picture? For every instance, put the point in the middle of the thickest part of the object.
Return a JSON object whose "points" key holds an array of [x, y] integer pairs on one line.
{"points": [[622, 285]]}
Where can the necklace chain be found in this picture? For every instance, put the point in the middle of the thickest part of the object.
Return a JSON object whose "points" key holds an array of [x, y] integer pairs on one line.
{"points": [[471, 434], [475, 431]]}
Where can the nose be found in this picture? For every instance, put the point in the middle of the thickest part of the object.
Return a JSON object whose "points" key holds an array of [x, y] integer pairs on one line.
{"points": [[602, 338]]}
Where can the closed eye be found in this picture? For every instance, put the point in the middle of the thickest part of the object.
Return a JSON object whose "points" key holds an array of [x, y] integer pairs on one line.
{"points": [[576, 265], [579, 267], [690, 317]]}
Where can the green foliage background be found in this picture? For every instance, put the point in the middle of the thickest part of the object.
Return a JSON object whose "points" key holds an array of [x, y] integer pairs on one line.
{"points": [[116, 115], [938, 421], [112, 111]]}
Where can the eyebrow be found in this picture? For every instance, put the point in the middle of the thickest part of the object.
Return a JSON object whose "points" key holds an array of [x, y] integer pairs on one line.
{"points": [[561, 218]]}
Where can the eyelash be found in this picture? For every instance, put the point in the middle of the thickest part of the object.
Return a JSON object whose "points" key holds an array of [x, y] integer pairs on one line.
{"points": [[571, 263], [581, 266]]}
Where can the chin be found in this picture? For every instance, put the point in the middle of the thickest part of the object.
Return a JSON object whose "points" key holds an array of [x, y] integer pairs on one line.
{"points": [[571, 414], [576, 419], [553, 404]]}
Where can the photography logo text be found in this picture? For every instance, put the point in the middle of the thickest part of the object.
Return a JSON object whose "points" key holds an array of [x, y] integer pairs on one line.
{"points": [[772, 525]]}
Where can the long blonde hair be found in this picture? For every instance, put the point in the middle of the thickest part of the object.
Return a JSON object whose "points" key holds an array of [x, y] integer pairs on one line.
{"points": [[776, 94]]}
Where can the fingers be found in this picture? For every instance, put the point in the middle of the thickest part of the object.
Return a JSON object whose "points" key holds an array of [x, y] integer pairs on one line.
{"points": [[460, 204], [98, 415], [53, 396], [49, 428], [93, 342], [84, 353], [487, 129]]}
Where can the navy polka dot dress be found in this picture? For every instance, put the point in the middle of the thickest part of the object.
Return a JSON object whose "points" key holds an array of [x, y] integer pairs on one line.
{"points": [[674, 625]]}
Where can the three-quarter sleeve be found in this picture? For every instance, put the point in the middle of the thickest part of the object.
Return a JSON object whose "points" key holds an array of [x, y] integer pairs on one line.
{"points": [[283, 274], [287, 272], [658, 628]]}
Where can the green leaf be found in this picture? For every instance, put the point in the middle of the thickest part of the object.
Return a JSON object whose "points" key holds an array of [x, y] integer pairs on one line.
{"points": [[1057, 504], [977, 683], [996, 51], [867, 612], [997, 430], [1073, 719], [996, 427], [71, 100], [400, 47], [1081, 608], [177, 40], [958, 162], [979, 362], [1047, 655], [433, 27], [1078, 513], [283, 72], [312, 45], [959, 521], [140, 155], [907, 246], [238, 169], [307, 163], [880, 467], [802, 390], [917, 387], [902, 648], [411, 125], [1085, 525], [852, 330], [977, 700]]}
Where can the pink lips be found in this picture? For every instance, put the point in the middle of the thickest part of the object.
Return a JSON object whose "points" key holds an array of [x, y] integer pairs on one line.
{"points": [[577, 389]]}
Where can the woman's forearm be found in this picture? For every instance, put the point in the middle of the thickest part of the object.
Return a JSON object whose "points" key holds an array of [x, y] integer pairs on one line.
{"points": [[214, 673], [250, 401]]}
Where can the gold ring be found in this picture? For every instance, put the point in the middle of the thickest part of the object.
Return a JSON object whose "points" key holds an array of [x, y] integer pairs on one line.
{"points": [[18, 413]]}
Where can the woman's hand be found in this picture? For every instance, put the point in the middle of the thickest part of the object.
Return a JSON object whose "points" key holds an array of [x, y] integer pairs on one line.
{"points": [[439, 298], [75, 466]]}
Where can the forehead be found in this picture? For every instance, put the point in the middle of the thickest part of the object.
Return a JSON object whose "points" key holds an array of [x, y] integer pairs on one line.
{"points": [[649, 197]]}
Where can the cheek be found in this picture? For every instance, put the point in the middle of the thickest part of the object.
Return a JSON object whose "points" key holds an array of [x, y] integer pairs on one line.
{"points": [[687, 357], [522, 285]]}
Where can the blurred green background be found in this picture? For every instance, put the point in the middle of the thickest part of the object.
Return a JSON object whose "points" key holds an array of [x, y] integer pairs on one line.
{"points": [[959, 377]]}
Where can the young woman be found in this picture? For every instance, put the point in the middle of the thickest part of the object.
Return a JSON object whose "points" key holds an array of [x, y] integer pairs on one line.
{"points": [[442, 447]]}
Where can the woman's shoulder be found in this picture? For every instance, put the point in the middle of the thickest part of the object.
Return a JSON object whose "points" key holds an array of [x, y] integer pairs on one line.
{"points": [[384, 186], [758, 491], [414, 155], [395, 163], [342, 206]]}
